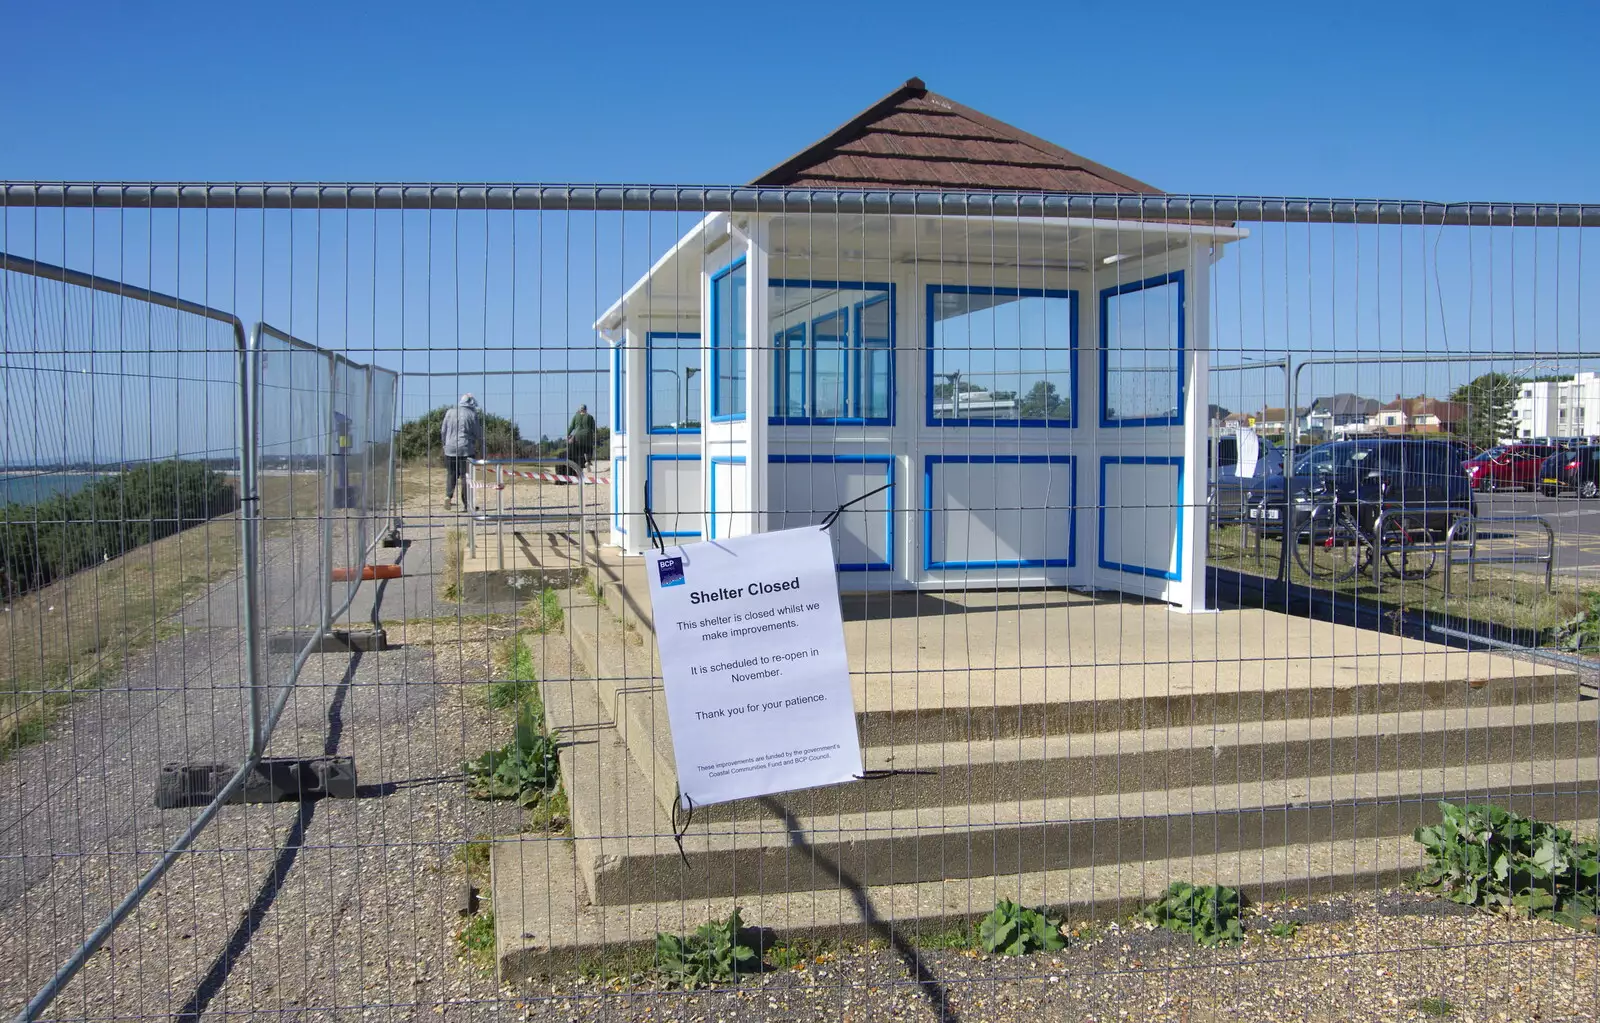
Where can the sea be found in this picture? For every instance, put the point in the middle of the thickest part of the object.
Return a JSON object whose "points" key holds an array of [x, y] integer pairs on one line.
{"points": [[32, 486]]}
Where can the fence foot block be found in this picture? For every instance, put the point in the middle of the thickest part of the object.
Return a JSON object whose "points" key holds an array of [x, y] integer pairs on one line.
{"points": [[274, 780], [336, 641]]}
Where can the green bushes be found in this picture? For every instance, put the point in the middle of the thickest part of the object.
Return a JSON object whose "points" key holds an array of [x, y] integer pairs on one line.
{"points": [[1582, 630], [1495, 859], [43, 542], [1209, 913], [1011, 930], [502, 438], [713, 954], [526, 769]]}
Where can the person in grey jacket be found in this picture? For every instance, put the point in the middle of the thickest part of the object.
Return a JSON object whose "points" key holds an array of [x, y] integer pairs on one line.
{"points": [[461, 440]]}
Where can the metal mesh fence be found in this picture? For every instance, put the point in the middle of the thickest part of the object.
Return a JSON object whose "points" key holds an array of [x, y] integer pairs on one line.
{"points": [[1142, 512]]}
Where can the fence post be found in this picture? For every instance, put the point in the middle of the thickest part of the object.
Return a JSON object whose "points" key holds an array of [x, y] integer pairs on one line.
{"points": [[250, 528], [326, 522]]}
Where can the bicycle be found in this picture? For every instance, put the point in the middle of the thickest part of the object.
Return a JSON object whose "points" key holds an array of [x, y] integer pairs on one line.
{"points": [[1339, 540]]}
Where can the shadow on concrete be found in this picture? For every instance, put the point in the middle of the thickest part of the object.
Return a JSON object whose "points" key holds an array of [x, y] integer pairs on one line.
{"points": [[933, 990]]}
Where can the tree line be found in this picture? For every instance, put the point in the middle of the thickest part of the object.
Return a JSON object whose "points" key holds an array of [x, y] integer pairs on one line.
{"points": [[419, 439], [47, 540]]}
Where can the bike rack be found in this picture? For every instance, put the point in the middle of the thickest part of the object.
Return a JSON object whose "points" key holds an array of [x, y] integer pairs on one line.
{"points": [[1473, 559], [1379, 550]]}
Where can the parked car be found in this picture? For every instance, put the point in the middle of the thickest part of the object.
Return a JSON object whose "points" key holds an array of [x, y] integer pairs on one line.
{"points": [[1509, 467], [1231, 494], [1577, 470], [1378, 473]]}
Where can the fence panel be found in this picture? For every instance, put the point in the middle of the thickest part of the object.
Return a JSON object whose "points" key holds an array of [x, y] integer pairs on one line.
{"points": [[1074, 686], [122, 638]]}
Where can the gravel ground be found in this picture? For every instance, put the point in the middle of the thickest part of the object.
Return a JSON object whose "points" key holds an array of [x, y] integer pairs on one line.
{"points": [[1367, 956], [346, 909], [288, 908]]}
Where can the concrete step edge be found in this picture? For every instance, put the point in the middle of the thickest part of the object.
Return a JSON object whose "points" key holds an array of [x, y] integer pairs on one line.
{"points": [[546, 924]]}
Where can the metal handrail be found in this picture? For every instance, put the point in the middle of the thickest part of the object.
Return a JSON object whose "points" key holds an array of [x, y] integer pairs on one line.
{"points": [[500, 517], [1473, 560]]}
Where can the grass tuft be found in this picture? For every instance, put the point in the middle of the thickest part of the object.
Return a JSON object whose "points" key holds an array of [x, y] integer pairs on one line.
{"points": [[476, 939]]}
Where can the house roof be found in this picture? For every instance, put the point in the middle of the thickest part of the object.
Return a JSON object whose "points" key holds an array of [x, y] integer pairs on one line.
{"points": [[916, 139], [1276, 415], [1446, 411], [1345, 404]]}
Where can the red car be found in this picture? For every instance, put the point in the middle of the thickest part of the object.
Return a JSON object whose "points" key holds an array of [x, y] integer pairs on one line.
{"points": [[1512, 466]]}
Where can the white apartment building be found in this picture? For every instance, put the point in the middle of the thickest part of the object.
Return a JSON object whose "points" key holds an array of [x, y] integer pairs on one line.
{"points": [[1559, 408]]}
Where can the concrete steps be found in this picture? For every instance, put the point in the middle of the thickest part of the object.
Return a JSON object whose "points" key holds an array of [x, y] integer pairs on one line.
{"points": [[1266, 792], [1089, 795], [1001, 735], [545, 923]]}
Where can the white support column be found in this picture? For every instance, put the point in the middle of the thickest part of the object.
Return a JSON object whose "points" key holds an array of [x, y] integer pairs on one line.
{"points": [[1189, 593], [758, 379]]}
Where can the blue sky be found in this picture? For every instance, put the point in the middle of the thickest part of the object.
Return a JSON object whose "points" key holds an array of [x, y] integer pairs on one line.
{"points": [[1445, 102]]}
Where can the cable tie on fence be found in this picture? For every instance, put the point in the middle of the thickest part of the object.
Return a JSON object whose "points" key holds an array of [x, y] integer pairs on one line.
{"points": [[653, 529], [880, 773], [688, 816], [834, 515]]}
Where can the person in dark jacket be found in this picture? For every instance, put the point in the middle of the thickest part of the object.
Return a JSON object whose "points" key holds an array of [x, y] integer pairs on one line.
{"points": [[580, 438], [461, 440]]}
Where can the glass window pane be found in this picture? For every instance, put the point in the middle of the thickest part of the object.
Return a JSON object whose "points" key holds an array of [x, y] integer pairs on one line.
{"points": [[829, 337], [1143, 353], [789, 372], [728, 316], [1002, 356], [619, 366], [875, 368], [674, 365]]}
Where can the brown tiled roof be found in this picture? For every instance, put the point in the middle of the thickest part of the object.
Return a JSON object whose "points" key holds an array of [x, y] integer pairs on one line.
{"points": [[916, 139], [1447, 411]]}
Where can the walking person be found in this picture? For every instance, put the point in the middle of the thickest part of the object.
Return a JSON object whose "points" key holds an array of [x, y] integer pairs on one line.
{"points": [[461, 440], [580, 438]]}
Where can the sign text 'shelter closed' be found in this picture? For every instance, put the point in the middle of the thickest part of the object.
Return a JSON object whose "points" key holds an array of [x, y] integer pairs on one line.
{"points": [[753, 659]]}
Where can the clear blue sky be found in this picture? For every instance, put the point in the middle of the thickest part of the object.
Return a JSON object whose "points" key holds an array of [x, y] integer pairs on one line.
{"points": [[1465, 101], [1433, 100]]}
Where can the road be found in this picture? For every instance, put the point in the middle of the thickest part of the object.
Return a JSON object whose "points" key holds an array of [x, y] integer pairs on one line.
{"points": [[1576, 524]]}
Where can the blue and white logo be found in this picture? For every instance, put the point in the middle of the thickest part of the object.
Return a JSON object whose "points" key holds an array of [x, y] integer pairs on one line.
{"points": [[671, 571]]}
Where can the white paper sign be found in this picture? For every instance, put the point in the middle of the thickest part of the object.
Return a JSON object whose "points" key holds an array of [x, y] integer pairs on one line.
{"points": [[753, 659], [1249, 454]]}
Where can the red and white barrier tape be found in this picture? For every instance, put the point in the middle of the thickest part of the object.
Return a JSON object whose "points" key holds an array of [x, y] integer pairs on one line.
{"points": [[551, 477]]}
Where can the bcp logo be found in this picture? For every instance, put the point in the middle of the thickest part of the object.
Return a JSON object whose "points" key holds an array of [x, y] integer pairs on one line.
{"points": [[671, 571]]}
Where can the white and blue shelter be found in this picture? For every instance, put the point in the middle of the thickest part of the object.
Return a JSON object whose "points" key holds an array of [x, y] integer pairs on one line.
{"points": [[1035, 389]]}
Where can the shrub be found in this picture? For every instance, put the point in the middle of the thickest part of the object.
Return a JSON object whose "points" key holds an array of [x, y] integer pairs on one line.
{"points": [[526, 769], [1582, 630], [40, 543], [1011, 930], [1495, 859], [1209, 914], [419, 438], [713, 954]]}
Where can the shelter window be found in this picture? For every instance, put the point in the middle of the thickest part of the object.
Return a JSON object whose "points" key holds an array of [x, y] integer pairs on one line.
{"points": [[672, 362], [1141, 350], [729, 297], [833, 352], [1002, 356]]}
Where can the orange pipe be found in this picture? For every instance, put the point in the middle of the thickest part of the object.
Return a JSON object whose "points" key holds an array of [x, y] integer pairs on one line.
{"points": [[344, 575]]}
